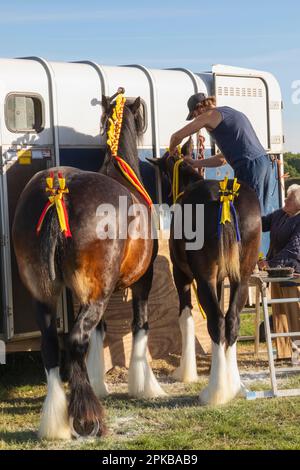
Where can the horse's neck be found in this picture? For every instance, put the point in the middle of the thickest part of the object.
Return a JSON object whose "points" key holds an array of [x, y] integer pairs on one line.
{"points": [[187, 177], [129, 153], [127, 150]]}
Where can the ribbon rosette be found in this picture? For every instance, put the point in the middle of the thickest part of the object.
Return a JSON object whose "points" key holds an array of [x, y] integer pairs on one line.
{"points": [[56, 198], [227, 197]]}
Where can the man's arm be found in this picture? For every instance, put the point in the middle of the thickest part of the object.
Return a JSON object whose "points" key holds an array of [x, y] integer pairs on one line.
{"points": [[211, 162], [195, 126]]}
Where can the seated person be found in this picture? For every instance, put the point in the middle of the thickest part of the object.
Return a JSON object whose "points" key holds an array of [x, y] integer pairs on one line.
{"points": [[284, 227]]}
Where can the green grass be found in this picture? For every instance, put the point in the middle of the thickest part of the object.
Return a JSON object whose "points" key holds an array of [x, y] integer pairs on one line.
{"points": [[247, 324], [173, 422]]}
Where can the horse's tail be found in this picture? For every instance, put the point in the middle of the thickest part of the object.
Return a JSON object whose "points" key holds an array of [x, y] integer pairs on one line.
{"points": [[51, 245], [229, 253]]}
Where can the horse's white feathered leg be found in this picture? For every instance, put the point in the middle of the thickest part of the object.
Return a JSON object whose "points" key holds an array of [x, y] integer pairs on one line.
{"points": [[141, 380], [187, 370], [54, 422], [234, 380], [95, 363], [217, 393]]}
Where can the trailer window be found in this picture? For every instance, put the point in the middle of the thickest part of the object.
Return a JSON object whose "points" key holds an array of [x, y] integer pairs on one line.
{"points": [[24, 113]]}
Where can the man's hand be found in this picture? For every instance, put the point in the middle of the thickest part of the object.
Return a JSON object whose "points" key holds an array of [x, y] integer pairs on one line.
{"points": [[194, 163], [189, 160], [174, 142]]}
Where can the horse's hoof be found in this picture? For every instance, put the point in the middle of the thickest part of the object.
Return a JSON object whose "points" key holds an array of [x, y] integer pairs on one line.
{"points": [[85, 430], [209, 397], [185, 377]]}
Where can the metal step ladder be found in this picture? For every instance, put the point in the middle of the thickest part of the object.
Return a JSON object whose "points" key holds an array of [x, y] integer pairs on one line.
{"points": [[260, 282]]}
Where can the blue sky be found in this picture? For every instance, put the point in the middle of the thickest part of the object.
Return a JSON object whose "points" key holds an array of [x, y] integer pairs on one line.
{"points": [[259, 34]]}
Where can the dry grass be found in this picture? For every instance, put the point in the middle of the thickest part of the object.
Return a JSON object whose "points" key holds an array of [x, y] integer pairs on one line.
{"points": [[173, 422]]}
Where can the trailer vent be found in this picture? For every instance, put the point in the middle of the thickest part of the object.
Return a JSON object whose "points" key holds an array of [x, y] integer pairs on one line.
{"points": [[245, 92]]}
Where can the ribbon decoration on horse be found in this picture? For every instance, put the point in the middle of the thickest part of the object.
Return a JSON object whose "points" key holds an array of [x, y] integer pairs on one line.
{"points": [[227, 197], [175, 183], [114, 131], [56, 199]]}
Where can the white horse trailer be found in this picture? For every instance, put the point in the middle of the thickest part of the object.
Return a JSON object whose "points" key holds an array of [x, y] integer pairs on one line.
{"points": [[52, 110]]}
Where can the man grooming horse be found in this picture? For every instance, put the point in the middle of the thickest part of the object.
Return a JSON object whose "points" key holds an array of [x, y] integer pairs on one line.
{"points": [[237, 140]]}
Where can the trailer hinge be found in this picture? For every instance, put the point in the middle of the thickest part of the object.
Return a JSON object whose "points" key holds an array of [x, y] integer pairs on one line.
{"points": [[9, 321], [9, 311], [3, 240]]}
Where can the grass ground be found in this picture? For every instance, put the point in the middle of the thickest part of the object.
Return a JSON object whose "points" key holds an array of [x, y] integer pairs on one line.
{"points": [[175, 422]]}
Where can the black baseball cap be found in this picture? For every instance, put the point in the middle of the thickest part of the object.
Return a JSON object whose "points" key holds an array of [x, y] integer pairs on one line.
{"points": [[192, 103]]}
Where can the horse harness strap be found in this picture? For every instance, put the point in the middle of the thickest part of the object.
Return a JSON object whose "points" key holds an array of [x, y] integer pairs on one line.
{"points": [[175, 182]]}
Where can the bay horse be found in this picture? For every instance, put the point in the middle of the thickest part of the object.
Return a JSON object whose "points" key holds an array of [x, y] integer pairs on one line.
{"points": [[92, 267], [221, 255]]}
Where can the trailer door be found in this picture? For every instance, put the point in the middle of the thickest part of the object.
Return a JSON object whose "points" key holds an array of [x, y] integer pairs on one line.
{"points": [[2, 243], [27, 147]]}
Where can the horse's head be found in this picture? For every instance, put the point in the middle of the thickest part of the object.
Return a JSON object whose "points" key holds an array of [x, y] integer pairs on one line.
{"points": [[166, 165], [132, 112]]}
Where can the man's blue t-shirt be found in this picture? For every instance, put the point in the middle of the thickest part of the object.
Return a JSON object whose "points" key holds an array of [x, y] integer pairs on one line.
{"points": [[236, 137]]}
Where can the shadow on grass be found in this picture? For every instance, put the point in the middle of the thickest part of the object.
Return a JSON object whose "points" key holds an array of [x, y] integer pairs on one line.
{"points": [[20, 406], [116, 400], [19, 437], [22, 369]]}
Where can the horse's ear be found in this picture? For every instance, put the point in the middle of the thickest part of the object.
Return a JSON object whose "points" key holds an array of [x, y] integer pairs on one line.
{"points": [[135, 106], [105, 103]]}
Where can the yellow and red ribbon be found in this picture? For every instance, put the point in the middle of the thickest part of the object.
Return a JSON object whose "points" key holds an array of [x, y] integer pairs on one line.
{"points": [[132, 177], [113, 134], [56, 199]]}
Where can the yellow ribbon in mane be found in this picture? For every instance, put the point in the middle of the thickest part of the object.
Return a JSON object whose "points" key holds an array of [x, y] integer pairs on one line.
{"points": [[227, 196], [113, 137]]}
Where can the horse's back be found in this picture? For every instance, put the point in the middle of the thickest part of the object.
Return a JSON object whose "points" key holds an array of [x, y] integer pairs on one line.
{"points": [[207, 193], [85, 189]]}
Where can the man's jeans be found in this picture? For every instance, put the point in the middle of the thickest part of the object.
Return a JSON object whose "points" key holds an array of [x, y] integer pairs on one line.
{"points": [[257, 174]]}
